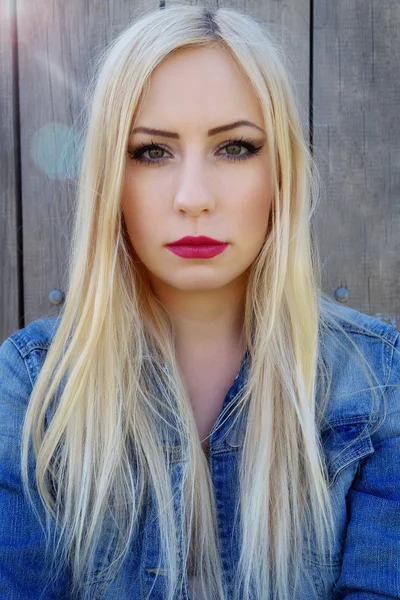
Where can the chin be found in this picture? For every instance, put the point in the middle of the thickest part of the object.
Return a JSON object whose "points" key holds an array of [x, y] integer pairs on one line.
{"points": [[197, 283]]}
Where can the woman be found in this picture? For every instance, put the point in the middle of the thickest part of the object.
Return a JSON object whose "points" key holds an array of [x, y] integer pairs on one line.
{"points": [[205, 423]]}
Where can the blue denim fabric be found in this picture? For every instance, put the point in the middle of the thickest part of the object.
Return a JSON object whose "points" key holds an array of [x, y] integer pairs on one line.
{"points": [[364, 478]]}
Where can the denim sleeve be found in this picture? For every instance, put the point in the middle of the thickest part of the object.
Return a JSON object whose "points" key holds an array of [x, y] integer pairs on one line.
{"points": [[371, 558], [24, 572]]}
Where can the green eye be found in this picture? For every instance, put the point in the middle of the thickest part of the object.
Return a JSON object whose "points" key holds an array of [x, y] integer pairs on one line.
{"points": [[138, 153]]}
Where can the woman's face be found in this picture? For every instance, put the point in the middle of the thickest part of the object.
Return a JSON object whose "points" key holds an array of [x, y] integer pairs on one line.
{"points": [[194, 181]]}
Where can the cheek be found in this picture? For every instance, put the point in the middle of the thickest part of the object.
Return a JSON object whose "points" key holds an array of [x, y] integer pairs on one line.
{"points": [[252, 216], [254, 201], [141, 224], [140, 212]]}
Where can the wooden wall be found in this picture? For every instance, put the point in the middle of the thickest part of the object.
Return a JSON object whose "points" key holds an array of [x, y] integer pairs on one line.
{"points": [[344, 58]]}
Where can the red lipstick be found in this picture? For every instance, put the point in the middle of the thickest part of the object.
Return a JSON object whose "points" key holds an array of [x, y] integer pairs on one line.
{"points": [[197, 247]]}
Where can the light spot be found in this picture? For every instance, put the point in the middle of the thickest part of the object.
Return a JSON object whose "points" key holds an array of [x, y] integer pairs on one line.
{"points": [[56, 150]]}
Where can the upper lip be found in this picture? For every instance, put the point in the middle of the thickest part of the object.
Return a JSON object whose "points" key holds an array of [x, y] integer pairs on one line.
{"points": [[190, 240]]}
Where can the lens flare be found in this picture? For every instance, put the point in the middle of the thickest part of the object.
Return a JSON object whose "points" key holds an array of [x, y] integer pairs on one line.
{"points": [[56, 150]]}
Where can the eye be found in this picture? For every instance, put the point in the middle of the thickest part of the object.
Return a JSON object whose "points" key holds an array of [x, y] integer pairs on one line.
{"points": [[140, 151], [248, 145], [158, 149]]}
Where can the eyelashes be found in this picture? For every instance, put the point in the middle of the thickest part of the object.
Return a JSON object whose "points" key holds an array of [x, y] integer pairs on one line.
{"points": [[249, 145]]}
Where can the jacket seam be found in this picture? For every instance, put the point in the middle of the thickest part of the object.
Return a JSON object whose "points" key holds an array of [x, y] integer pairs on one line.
{"points": [[26, 349], [364, 418], [384, 332], [24, 361], [391, 359], [25, 340]]}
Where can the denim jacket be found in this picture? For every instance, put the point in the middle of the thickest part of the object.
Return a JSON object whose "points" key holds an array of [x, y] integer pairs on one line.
{"points": [[364, 478]]}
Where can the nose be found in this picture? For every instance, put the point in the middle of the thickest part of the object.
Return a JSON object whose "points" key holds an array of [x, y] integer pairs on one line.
{"points": [[194, 194]]}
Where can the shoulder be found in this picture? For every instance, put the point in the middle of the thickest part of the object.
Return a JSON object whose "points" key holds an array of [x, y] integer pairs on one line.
{"points": [[361, 357], [22, 356], [337, 317], [36, 335], [361, 442], [25, 350], [346, 332]]}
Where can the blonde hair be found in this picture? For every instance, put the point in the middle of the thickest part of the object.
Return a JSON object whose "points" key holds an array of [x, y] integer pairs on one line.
{"points": [[120, 415]]}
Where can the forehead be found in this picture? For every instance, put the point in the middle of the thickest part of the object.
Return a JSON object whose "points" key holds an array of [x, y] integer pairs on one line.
{"points": [[205, 84]]}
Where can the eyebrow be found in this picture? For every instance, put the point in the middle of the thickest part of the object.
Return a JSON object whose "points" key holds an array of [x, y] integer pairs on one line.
{"points": [[210, 132]]}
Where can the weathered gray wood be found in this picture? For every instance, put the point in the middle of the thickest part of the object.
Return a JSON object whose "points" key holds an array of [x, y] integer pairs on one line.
{"points": [[9, 287], [357, 145], [57, 44]]}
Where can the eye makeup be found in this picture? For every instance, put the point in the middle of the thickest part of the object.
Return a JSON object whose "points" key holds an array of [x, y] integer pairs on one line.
{"points": [[137, 154]]}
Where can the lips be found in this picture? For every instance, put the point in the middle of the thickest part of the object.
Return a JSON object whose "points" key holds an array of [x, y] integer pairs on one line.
{"points": [[199, 240], [197, 247]]}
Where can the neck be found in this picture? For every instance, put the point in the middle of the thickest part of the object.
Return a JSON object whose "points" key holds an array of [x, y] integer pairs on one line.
{"points": [[205, 321]]}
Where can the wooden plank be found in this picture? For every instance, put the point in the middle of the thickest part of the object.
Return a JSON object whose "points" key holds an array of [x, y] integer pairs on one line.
{"points": [[357, 146], [57, 43], [9, 286]]}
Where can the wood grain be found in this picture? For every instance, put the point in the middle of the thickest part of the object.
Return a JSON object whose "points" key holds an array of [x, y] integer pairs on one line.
{"points": [[58, 42], [357, 146], [9, 284]]}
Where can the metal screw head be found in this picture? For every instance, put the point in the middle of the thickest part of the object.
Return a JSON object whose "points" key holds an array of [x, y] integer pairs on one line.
{"points": [[56, 297], [341, 294]]}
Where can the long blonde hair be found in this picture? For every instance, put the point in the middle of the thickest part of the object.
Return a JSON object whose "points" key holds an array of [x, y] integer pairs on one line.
{"points": [[118, 414]]}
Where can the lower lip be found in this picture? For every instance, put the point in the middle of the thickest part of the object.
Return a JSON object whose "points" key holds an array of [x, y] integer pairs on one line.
{"points": [[199, 251]]}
